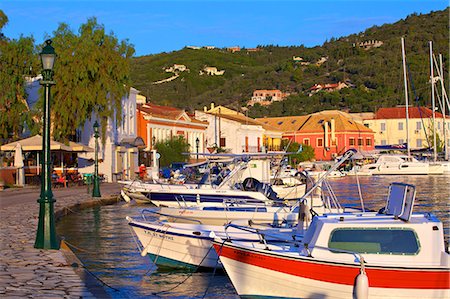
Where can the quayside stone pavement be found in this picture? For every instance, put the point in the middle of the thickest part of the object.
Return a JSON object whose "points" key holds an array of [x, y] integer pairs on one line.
{"points": [[26, 272]]}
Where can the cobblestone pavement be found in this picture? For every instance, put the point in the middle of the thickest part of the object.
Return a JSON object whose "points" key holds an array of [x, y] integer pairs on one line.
{"points": [[26, 272]]}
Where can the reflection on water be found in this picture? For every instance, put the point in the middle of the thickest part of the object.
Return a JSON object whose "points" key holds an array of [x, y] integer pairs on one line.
{"points": [[105, 244]]}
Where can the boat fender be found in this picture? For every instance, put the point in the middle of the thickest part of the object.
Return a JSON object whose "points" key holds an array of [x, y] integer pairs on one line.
{"points": [[145, 250], [361, 289]]}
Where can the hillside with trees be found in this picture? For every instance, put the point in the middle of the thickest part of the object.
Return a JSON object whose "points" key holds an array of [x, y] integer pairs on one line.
{"points": [[373, 73]]}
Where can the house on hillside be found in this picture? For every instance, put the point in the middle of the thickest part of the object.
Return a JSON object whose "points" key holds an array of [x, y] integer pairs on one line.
{"points": [[158, 123], [330, 133], [234, 49], [233, 131], [266, 97], [176, 68], [366, 45], [321, 61], [328, 87], [211, 71], [389, 125]]}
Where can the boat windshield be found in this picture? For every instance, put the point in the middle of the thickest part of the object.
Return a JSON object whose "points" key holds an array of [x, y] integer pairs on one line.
{"points": [[375, 240]]}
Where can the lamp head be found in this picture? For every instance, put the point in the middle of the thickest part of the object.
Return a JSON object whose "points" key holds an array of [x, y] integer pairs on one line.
{"points": [[96, 125], [48, 55]]}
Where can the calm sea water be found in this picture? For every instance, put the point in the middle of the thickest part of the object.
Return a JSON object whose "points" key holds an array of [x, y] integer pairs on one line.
{"points": [[106, 246]]}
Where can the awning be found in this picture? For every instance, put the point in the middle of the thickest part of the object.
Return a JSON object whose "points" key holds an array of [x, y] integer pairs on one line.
{"points": [[133, 141], [34, 144], [78, 147]]}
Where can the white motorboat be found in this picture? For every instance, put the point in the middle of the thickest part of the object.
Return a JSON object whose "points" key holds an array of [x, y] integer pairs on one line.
{"points": [[187, 245], [390, 254], [399, 165]]}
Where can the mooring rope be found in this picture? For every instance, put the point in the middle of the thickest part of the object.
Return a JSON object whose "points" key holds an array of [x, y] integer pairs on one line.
{"points": [[189, 276], [89, 271], [215, 268]]}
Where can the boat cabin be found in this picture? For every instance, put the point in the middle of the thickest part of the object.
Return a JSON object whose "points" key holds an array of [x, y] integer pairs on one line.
{"points": [[392, 236]]}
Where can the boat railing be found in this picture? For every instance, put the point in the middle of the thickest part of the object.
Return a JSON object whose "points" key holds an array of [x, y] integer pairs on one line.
{"points": [[159, 214], [318, 185], [261, 233], [181, 202]]}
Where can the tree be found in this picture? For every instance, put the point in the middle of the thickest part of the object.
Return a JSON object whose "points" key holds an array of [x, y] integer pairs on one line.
{"points": [[18, 59], [172, 150], [303, 152], [92, 73]]}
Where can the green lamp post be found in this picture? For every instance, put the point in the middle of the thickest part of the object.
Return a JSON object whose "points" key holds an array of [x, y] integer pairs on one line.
{"points": [[96, 189], [46, 234], [197, 144]]}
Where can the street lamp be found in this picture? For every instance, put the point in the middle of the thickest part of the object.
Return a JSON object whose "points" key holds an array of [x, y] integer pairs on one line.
{"points": [[96, 189], [197, 143], [46, 234]]}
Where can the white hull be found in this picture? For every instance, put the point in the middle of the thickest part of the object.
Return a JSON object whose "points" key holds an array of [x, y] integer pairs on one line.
{"points": [[184, 245], [400, 165], [250, 280]]}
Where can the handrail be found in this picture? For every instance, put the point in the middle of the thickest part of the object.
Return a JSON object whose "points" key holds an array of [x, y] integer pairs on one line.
{"points": [[167, 215]]}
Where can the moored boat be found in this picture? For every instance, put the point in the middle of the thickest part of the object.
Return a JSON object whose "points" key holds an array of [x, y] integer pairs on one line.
{"points": [[390, 254]]}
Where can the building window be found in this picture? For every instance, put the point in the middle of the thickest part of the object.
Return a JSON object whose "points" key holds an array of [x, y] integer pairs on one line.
{"points": [[334, 142], [360, 142], [418, 126], [366, 125], [368, 142], [319, 142], [306, 141], [419, 143], [383, 142], [383, 127], [351, 141], [222, 142], [400, 126]]}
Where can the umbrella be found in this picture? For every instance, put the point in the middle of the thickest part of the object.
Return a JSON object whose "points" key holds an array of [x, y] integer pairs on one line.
{"points": [[18, 163]]}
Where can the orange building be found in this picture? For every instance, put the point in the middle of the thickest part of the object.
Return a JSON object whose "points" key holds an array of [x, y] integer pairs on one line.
{"points": [[157, 123], [330, 133]]}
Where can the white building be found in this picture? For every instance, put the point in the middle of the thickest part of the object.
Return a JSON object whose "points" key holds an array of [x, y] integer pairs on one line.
{"points": [[118, 151], [231, 130]]}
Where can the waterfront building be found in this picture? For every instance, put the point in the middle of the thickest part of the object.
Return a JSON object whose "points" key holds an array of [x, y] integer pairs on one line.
{"points": [[389, 125], [158, 123], [118, 152], [330, 133], [235, 132]]}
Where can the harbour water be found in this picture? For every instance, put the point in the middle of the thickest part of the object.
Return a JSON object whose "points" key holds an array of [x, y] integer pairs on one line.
{"points": [[102, 240]]}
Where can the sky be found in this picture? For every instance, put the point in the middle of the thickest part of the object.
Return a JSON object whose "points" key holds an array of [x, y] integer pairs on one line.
{"points": [[164, 26]]}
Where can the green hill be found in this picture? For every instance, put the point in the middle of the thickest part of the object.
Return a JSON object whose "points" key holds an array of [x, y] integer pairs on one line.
{"points": [[374, 74]]}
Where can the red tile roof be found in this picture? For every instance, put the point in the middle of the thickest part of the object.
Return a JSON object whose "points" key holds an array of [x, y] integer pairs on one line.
{"points": [[166, 112], [400, 112]]}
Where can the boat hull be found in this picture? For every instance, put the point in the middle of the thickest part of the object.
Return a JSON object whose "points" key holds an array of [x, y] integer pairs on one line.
{"points": [[255, 273], [169, 248]]}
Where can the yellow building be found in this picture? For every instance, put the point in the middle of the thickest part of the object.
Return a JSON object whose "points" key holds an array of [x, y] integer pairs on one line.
{"points": [[389, 125]]}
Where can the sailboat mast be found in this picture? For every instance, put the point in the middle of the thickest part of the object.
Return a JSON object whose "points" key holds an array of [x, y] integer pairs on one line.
{"points": [[444, 115], [406, 95], [433, 102]]}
